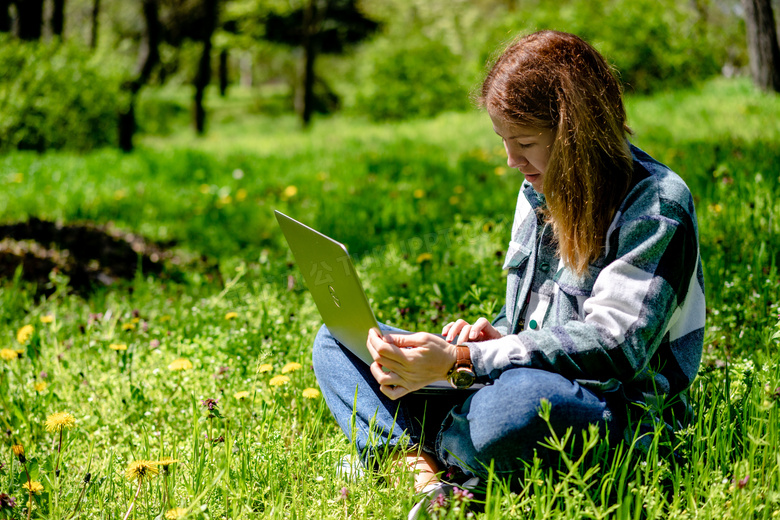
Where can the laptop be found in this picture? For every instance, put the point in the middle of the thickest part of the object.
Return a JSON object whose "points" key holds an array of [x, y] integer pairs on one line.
{"points": [[337, 292]]}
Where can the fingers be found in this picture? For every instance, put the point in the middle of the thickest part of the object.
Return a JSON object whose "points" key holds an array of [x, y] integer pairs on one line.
{"points": [[388, 382], [454, 329]]}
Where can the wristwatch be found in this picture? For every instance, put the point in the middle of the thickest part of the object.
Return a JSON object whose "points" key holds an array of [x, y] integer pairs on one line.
{"points": [[462, 374]]}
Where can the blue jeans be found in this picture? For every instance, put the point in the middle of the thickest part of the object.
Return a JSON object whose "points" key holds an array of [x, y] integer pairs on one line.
{"points": [[497, 424]]}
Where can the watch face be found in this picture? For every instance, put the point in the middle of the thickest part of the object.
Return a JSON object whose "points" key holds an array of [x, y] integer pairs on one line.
{"points": [[462, 378]]}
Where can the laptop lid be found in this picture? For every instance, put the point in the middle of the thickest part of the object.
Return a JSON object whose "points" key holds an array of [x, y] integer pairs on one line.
{"points": [[331, 278]]}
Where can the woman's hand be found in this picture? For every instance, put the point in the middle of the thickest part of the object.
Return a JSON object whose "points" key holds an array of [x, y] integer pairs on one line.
{"points": [[404, 363], [482, 330]]}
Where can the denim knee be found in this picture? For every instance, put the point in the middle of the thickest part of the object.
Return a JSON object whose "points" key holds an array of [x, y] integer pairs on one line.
{"points": [[500, 424]]}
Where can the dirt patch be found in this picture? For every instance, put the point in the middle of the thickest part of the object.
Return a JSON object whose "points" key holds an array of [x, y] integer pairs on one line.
{"points": [[89, 254]]}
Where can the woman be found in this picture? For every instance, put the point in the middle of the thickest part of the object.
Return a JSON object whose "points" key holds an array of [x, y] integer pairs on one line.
{"points": [[604, 306]]}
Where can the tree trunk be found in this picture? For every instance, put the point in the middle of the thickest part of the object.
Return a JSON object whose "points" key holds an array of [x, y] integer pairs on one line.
{"points": [[93, 37], [203, 75], [304, 95], [5, 16], [148, 58], [223, 72], [30, 19], [762, 44], [58, 18]]}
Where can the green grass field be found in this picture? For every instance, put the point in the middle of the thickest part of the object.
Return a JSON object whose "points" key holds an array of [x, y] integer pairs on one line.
{"points": [[425, 208]]}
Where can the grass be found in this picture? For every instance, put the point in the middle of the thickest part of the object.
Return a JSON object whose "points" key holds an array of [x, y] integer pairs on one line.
{"points": [[425, 207]]}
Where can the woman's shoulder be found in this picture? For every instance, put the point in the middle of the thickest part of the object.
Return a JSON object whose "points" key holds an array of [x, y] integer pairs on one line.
{"points": [[656, 190]]}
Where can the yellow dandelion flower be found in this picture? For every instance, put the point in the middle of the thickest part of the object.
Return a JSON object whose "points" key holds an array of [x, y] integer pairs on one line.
{"points": [[135, 320], [33, 486], [290, 191], [418, 193], [458, 189], [177, 512], [47, 319], [8, 355], [40, 386], [241, 195], [19, 352], [291, 367], [266, 367], [18, 449], [23, 335], [180, 364], [424, 257], [140, 469], [165, 462], [128, 326], [500, 171], [231, 315], [117, 346], [164, 318], [311, 393], [120, 194], [241, 395], [57, 421], [18, 178], [279, 380], [454, 200], [205, 189]]}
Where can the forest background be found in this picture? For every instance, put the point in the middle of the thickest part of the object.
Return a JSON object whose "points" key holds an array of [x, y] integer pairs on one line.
{"points": [[155, 333]]}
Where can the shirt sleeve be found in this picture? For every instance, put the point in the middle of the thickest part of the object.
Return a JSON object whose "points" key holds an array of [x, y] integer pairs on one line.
{"points": [[631, 304]]}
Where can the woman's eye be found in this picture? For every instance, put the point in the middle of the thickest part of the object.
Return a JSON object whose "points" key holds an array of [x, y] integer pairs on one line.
{"points": [[525, 145]]}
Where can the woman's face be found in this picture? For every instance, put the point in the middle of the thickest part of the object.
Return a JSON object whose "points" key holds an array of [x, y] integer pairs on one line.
{"points": [[527, 148]]}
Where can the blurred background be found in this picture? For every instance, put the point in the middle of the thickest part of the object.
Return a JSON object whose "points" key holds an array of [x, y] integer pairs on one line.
{"points": [[82, 74]]}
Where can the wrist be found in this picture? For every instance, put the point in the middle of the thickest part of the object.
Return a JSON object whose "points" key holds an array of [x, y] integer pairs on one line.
{"points": [[462, 373]]}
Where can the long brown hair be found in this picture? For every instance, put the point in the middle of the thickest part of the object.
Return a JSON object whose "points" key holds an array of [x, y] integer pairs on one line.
{"points": [[556, 80]]}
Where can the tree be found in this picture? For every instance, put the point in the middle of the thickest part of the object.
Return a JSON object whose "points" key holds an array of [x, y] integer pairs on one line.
{"points": [[29, 19], [58, 17], [321, 26], [148, 59], [762, 44], [93, 35], [207, 23]]}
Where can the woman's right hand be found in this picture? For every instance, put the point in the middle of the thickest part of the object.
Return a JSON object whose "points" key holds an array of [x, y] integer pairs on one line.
{"points": [[481, 330]]}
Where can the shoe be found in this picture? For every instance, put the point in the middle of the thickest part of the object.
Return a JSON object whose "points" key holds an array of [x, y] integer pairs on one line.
{"points": [[350, 468], [439, 494]]}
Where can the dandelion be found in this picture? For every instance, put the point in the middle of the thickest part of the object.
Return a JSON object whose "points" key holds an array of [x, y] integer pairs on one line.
{"points": [[231, 315], [291, 367], [424, 257], [164, 318], [289, 192], [500, 171], [241, 395], [165, 462], [8, 355], [279, 380], [58, 421], [311, 393], [24, 334], [117, 346], [128, 326], [33, 487], [176, 512], [47, 319], [18, 450], [141, 469], [241, 195], [454, 200], [458, 189], [180, 364], [40, 386], [418, 193], [267, 367]]}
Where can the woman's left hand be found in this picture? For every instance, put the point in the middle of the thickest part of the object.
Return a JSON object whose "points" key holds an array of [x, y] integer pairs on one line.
{"points": [[404, 363]]}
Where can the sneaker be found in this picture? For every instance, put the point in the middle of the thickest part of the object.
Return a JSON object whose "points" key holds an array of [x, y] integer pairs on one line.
{"points": [[439, 494], [350, 468]]}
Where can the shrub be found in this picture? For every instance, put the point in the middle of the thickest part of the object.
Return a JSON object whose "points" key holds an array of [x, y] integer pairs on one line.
{"points": [[410, 77], [55, 95]]}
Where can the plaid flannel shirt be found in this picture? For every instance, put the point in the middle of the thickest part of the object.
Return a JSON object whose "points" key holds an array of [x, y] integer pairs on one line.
{"points": [[634, 322]]}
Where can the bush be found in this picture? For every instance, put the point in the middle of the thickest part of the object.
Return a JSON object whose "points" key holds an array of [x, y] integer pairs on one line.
{"points": [[55, 96], [412, 77], [654, 44]]}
